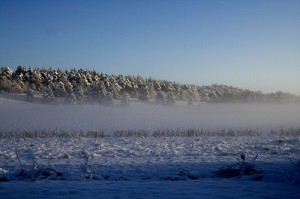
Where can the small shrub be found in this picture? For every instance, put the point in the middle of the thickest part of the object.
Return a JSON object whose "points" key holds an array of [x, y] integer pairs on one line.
{"points": [[38, 173], [238, 169]]}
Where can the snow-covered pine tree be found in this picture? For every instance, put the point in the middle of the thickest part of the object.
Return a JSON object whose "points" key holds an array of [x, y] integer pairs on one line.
{"points": [[48, 95], [71, 98], [160, 97], [29, 95], [143, 93], [36, 80], [59, 90], [108, 100], [190, 101], [79, 94], [125, 100], [170, 98]]}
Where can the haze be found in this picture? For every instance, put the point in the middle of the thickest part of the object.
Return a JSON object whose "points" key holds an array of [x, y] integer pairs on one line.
{"points": [[22, 116]]}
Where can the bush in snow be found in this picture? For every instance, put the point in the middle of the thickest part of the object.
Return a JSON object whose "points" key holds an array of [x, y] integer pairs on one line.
{"points": [[37, 172], [239, 169]]}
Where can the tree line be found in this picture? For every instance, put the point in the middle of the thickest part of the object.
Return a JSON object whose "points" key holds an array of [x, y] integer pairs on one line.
{"points": [[84, 86]]}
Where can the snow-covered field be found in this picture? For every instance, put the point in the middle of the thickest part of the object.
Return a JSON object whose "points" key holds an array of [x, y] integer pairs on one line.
{"points": [[115, 166]]}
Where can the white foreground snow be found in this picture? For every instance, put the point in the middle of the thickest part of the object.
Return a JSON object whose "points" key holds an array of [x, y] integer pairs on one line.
{"points": [[146, 167]]}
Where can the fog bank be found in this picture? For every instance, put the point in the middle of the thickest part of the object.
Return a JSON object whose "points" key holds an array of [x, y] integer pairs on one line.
{"points": [[28, 116]]}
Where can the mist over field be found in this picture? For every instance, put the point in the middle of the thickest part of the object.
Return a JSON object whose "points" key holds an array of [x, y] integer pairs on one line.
{"points": [[150, 99], [147, 116]]}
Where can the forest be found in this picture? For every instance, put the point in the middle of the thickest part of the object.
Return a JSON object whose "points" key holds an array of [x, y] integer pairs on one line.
{"points": [[89, 86]]}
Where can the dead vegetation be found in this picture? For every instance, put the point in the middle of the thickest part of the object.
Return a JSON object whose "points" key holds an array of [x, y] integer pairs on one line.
{"points": [[238, 169], [37, 173]]}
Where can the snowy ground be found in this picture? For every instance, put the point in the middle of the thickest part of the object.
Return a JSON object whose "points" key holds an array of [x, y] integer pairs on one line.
{"points": [[157, 189], [146, 167]]}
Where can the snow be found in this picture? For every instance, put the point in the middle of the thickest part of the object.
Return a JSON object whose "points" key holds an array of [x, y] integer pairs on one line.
{"points": [[208, 188], [117, 166]]}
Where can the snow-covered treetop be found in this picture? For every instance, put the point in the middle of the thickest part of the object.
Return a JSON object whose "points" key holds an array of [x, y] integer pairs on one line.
{"points": [[89, 83]]}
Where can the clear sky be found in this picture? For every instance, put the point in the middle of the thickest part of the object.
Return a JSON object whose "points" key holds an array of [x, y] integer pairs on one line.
{"points": [[252, 44]]}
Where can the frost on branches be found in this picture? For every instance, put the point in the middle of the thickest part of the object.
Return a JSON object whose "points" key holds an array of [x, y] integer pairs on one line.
{"points": [[81, 86]]}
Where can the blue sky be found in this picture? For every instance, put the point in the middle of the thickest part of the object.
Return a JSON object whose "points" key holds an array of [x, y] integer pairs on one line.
{"points": [[252, 44]]}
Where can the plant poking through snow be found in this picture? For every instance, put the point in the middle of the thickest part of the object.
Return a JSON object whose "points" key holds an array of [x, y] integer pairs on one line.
{"points": [[38, 173], [187, 175], [238, 169], [87, 172]]}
